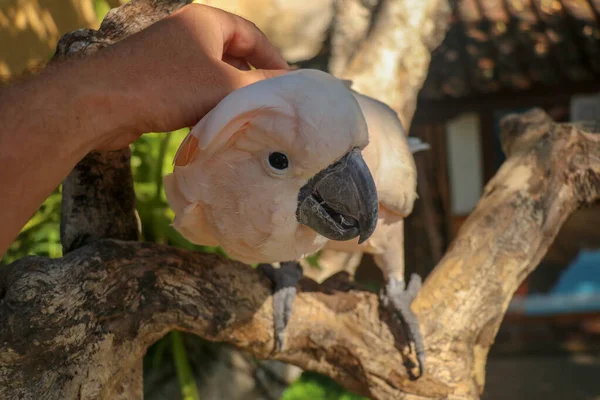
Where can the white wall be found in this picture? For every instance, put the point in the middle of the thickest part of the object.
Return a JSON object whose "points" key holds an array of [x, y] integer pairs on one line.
{"points": [[464, 158], [585, 107]]}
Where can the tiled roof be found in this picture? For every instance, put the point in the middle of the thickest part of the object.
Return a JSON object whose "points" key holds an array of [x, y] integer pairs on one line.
{"points": [[511, 45]]}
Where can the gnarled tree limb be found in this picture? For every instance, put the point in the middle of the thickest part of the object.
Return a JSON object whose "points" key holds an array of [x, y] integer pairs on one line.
{"points": [[73, 326]]}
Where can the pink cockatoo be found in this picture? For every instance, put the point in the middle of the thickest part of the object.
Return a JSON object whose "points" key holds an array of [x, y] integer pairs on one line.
{"points": [[290, 165]]}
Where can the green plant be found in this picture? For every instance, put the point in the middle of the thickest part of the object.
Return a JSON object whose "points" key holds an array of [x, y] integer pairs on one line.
{"points": [[187, 383], [101, 7], [314, 386], [40, 236]]}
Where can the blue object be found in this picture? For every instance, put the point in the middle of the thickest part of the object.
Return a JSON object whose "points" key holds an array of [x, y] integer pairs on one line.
{"points": [[582, 276], [577, 290]]}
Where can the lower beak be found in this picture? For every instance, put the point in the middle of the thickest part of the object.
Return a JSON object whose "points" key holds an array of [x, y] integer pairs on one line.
{"points": [[341, 201]]}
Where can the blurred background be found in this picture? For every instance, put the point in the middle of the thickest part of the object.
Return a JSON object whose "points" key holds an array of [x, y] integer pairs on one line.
{"points": [[498, 57]]}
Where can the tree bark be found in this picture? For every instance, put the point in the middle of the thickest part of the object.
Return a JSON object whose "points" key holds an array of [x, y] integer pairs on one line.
{"points": [[78, 326], [72, 327]]}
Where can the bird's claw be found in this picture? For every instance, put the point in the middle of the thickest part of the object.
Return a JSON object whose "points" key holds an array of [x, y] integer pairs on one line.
{"points": [[284, 281], [399, 299]]}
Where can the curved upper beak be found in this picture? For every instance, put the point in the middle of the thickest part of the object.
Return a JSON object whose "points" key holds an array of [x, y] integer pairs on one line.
{"points": [[341, 202]]}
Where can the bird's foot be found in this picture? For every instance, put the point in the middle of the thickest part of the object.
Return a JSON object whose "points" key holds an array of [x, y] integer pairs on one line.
{"points": [[284, 281], [399, 299]]}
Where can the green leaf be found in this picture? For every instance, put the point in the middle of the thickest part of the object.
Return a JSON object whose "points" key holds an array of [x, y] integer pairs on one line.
{"points": [[158, 352], [187, 383], [40, 236], [314, 386], [313, 260], [101, 7]]}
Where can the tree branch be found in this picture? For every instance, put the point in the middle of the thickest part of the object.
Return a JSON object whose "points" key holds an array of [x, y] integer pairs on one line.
{"points": [[74, 326], [551, 170]]}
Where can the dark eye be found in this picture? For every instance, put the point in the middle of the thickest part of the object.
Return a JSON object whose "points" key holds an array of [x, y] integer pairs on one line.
{"points": [[278, 160]]}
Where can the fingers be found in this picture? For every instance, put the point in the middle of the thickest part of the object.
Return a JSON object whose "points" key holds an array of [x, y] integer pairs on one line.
{"points": [[242, 39], [238, 63], [203, 50]]}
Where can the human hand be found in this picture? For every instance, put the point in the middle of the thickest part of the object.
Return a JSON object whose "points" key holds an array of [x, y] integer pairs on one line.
{"points": [[171, 74], [163, 78]]}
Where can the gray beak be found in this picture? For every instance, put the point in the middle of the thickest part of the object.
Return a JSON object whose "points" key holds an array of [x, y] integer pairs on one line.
{"points": [[340, 202]]}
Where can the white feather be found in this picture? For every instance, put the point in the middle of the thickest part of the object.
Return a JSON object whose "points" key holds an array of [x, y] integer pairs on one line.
{"points": [[415, 144]]}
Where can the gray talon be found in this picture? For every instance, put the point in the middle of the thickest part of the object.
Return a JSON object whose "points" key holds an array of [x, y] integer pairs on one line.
{"points": [[284, 281], [414, 285], [401, 298]]}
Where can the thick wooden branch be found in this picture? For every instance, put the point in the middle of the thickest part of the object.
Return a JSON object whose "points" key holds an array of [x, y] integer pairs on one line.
{"points": [[72, 327], [92, 314], [550, 171]]}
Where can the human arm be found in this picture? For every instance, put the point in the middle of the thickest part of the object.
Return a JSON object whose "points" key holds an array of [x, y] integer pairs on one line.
{"points": [[163, 78]]}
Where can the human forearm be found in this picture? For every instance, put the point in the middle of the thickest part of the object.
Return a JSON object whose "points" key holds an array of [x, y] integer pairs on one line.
{"points": [[49, 123]]}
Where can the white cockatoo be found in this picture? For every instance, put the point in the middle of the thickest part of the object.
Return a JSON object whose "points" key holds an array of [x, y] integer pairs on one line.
{"points": [[290, 165]]}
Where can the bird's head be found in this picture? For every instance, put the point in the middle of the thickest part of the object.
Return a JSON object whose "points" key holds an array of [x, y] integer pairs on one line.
{"points": [[275, 168]]}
